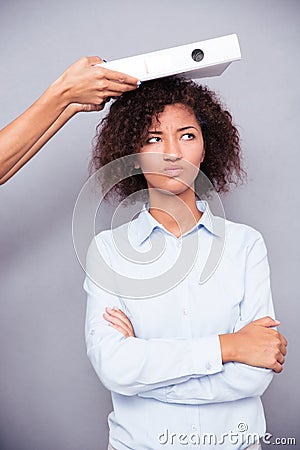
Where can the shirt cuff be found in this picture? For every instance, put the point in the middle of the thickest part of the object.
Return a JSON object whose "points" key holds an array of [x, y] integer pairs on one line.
{"points": [[207, 355]]}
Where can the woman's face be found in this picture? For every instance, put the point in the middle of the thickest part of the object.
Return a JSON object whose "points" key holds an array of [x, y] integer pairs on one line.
{"points": [[174, 149]]}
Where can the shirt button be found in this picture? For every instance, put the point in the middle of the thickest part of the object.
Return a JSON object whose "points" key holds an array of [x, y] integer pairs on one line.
{"points": [[92, 332], [208, 366], [185, 311], [194, 428]]}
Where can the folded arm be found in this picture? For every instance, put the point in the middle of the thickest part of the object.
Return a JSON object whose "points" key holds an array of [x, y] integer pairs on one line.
{"points": [[252, 344], [249, 346], [236, 382], [132, 365]]}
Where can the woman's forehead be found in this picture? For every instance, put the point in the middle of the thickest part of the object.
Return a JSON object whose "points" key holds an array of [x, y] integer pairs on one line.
{"points": [[176, 112]]}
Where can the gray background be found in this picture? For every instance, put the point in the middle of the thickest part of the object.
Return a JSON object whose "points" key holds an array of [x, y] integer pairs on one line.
{"points": [[49, 395]]}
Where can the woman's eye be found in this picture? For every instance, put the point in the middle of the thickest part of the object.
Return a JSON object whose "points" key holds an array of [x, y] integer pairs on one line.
{"points": [[153, 140], [188, 136]]}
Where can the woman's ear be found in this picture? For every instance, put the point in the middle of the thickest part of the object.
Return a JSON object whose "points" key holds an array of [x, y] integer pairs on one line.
{"points": [[203, 155]]}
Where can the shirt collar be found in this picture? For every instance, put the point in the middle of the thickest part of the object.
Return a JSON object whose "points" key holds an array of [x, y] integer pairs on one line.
{"points": [[141, 228]]}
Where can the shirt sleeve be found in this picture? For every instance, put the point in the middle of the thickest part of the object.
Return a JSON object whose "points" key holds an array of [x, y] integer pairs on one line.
{"points": [[237, 380], [132, 365]]}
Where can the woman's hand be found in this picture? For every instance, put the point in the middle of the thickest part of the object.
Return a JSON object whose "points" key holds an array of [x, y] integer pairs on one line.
{"points": [[82, 87], [118, 320], [256, 344], [74, 108], [87, 84]]}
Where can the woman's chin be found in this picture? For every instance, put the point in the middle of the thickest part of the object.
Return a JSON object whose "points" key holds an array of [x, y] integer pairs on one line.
{"points": [[177, 188]]}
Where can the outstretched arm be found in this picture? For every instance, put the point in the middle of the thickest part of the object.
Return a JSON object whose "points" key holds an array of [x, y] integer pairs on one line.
{"points": [[82, 87]]}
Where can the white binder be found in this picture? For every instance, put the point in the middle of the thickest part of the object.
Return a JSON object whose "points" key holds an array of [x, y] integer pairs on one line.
{"points": [[197, 60]]}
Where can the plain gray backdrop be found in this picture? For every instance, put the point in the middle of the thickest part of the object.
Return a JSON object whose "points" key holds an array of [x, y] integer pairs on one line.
{"points": [[50, 397]]}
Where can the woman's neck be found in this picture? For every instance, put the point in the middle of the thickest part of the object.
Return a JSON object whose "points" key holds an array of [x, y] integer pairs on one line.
{"points": [[177, 213]]}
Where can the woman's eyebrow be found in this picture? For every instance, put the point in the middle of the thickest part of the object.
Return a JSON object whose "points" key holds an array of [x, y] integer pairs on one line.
{"points": [[179, 129], [186, 128]]}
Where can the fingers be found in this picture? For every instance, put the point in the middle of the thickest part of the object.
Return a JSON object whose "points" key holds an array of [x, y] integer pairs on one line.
{"points": [[278, 368], [118, 314], [90, 108], [110, 317], [280, 342], [283, 350], [115, 90], [117, 77], [117, 324], [109, 88], [283, 344], [119, 320], [280, 358], [87, 83], [119, 328], [92, 60], [266, 321], [113, 75], [283, 340], [264, 346]]}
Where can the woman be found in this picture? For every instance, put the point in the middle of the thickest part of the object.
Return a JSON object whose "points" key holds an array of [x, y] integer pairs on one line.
{"points": [[186, 364], [82, 87]]}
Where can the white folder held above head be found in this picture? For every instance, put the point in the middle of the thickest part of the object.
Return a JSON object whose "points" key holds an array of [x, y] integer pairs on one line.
{"points": [[197, 60]]}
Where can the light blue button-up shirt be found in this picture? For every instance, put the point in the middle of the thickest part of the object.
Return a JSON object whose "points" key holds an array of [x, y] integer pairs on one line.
{"points": [[168, 384]]}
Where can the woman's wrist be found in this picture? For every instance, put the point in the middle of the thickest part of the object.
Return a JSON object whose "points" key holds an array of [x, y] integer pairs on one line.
{"points": [[228, 343], [59, 93], [72, 109]]}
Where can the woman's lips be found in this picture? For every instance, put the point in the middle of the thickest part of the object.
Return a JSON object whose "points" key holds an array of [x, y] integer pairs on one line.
{"points": [[173, 171]]}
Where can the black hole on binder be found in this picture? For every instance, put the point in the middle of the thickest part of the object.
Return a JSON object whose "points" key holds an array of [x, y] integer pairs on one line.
{"points": [[197, 55]]}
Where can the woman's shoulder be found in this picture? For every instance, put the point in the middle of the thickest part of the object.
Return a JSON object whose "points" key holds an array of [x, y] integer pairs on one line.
{"points": [[110, 236], [242, 233], [106, 244], [241, 227]]}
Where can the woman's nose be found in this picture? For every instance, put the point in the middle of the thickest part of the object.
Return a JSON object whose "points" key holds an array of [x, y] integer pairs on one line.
{"points": [[172, 150]]}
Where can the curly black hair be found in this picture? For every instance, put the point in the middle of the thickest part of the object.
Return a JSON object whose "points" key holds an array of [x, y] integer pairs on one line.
{"points": [[124, 130]]}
